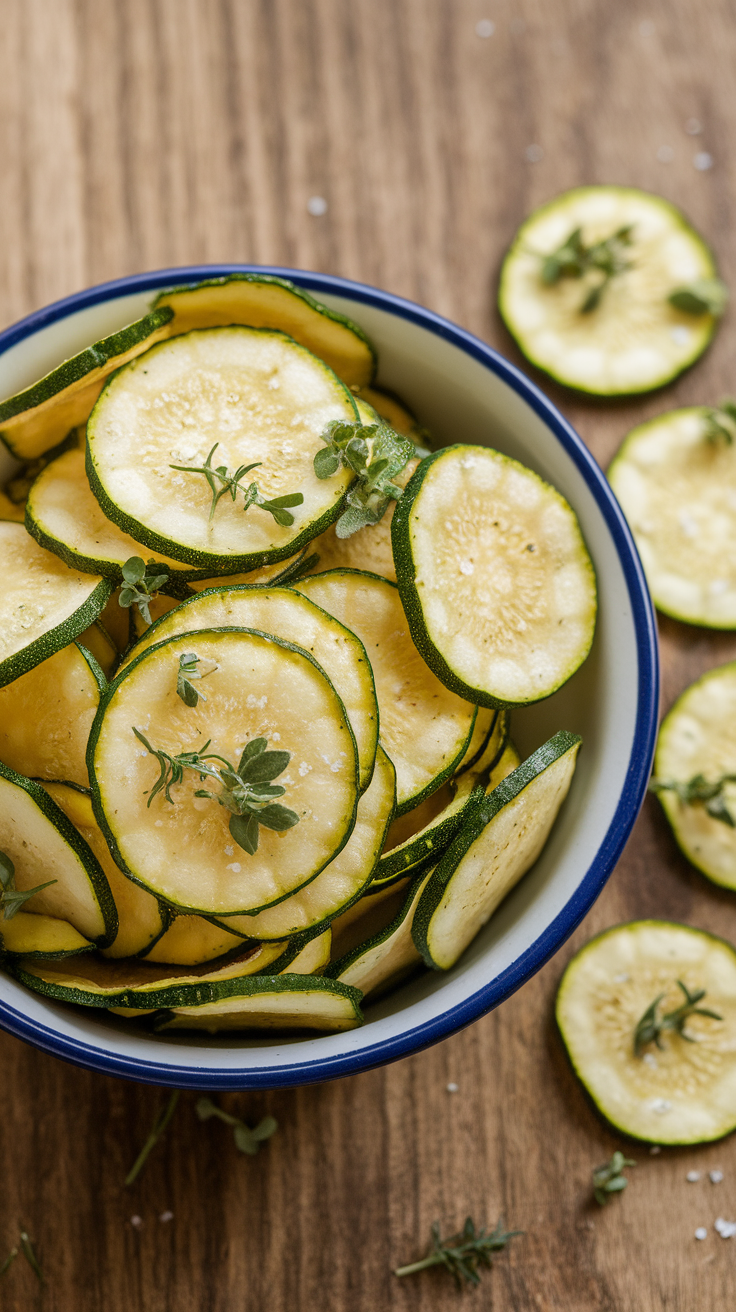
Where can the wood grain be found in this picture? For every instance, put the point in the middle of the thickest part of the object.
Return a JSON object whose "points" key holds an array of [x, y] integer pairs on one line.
{"points": [[141, 133]]}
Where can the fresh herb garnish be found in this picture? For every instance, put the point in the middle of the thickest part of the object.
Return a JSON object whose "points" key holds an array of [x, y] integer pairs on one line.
{"points": [[25, 1247], [698, 790], [720, 423], [140, 584], [247, 1140], [573, 259], [608, 1180], [159, 1126], [11, 898], [703, 296], [247, 791], [220, 482], [462, 1254], [187, 671], [375, 453], [651, 1026]]}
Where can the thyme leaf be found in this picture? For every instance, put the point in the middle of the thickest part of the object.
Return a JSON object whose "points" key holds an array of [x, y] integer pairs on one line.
{"points": [[247, 1140], [375, 454], [609, 1180], [720, 423], [702, 296], [651, 1026], [158, 1128], [141, 583], [699, 791], [12, 898], [25, 1247], [8, 1262], [462, 1254], [573, 259], [187, 671], [221, 482]]}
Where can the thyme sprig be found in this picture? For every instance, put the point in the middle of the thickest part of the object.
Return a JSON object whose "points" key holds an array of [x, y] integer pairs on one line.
{"points": [[573, 259], [12, 898], [608, 1178], [246, 791], [462, 1254], [158, 1128], [651, 1026], [702, 296], [141, 582], [221, 482], [375, 454], [25, 1247], [720, 423], [246, 1139], [187, 671], [699, 790]]}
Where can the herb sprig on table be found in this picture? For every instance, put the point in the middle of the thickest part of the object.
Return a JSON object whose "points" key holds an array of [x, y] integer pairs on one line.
{"points": [[573, 259], [222, 483], [609, 1179], [25, 1247], [700, 790], [375, 454], [247, 1140], [12, 898], [652, 1026], [720, 423], [464, 1253]]}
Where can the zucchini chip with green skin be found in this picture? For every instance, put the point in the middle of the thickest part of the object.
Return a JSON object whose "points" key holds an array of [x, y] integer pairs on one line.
{"points": [[44, 605], [499, 841], [695, 773], [313, 958], [424, 727], [46, 716], [496, 581], [262, 300], [29, 935], [674, 477], [179, 844], [368, 549], [98, 644], [268, 576], [275, 1002], [585, 290], [191, 941], [487, 722], [39, 417], [295, 618], [633, 1008], [43, 845], [384, 960], [241, 396]]}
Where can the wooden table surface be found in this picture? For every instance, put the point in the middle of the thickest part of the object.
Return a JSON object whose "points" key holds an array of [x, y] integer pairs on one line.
{"points": [[142, 133]]}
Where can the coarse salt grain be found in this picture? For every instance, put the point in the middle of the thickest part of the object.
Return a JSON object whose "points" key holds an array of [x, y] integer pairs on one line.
{"points": [[680, 334], [621, 979], [701, 1232], [715, 1177], [166, 1216], [692, 1176], [654, 1150], [665, 154], [467, 567], [317, 206], [235, 867], [136, 1222], [452, 1088], [693, 127], [533, 154], [485, 27], [650, 1060], [703, 161], [726, 1229], [661, 1106]]}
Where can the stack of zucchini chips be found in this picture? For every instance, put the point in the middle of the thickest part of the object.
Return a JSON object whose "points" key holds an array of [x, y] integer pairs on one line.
{"points": [[258, 650], [612, 292]]}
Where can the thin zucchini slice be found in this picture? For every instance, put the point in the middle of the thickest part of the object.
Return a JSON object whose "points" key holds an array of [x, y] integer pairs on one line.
{"points": [[10, 511], [684, 1090], [392, 410], [494, 575], [36, 419], [192, 940], [43, 846], [46, 716], [696, 747], [370, 548], [141, 918], [296, 619], [255, 396], [183, 851], [115, 620], [44, 605], [424, 727], [508, 761], [29, 935], [633, 339], [268, 576], [275, 1002], [373, 911], [426, 843], [675, 477], [487, 720], [386, 959], [98, 644], [499, 841], [265, 301], [313, 958]]}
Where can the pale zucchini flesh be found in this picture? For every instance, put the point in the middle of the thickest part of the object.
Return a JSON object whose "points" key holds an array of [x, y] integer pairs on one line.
{"points": [[430, 839], [159, 606], [46, 716], [192, 940], [683, 1092], [29, 935], [368, 549], [280, 1002], [494, 575], [98, 644], [373, 911], [313, 958], [386, 959]]}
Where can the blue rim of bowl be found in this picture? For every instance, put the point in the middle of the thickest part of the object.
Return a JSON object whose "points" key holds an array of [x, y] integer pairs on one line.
{"points": [[640, 762]]}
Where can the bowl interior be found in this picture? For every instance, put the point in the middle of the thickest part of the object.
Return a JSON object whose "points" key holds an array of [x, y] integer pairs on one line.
{"points": [[462, 392]]}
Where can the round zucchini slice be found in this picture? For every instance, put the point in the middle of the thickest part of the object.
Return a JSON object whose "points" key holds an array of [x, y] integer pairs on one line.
{"points": [[263, 300], [275, 1002], [585, 290], [695, 773], [46, 716], [674, 477], [424, 727], [44, 605], [179, 844], [671, 1082], [235, 396], [29, 935], [368, 549], [496, 581]]}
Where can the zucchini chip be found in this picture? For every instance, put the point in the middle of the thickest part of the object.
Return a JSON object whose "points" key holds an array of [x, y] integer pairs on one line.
{"points": [[387, 958], [268, 576], [313, 957], [275, 1002], [495, 578], [29, 935], [46, 716], [191, 941]]}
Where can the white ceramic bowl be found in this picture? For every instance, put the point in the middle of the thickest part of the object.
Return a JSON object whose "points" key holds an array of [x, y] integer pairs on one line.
{"points": [[464, 392]]}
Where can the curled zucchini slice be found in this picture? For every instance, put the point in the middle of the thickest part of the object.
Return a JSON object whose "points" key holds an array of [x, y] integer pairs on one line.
{"points": [[46, 716], [494, 575], [614, 335], [275, 1002], [488, 722], [313, 957], [99, 645], [424, 727], [674, 477], [385, 959], [268, 576], [39, 417], [499, 841], [265, 301], [29, 935], [368, 549], [682, 1089], [253, 394]]}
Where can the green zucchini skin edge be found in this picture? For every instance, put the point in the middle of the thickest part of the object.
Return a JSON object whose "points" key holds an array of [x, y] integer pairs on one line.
{"points": [[682, 222], [47, 644], [617, 1125], [488, 806], [209, 563], [336, 968], [95, 668], [74, 840], [271, 984], [98, 808]]}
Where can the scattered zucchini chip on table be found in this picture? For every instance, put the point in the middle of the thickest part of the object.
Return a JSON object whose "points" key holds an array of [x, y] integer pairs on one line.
{"points": [[495, 578], [647, 1012], [46, 716], [275, 1002], [675, 477], [610, 290], [39, 417]]}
